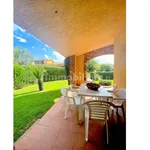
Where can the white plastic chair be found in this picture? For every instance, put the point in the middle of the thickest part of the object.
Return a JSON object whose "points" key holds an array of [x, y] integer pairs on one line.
{"points": [[114, 87], [72, 100], [119, 97], [74, 88], [98, 110], [111, 88]]}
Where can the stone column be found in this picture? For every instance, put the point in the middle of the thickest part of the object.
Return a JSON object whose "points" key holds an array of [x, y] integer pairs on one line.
{"points": [[70, 68]]}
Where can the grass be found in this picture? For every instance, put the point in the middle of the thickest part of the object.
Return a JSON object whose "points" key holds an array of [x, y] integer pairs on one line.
{"points": [[30, 104]]}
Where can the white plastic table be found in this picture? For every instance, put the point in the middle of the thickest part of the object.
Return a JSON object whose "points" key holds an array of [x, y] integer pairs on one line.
{"points": [[101, 92]]}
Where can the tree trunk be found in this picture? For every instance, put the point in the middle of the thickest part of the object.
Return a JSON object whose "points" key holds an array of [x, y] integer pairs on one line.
{"points": [[40, 83]]}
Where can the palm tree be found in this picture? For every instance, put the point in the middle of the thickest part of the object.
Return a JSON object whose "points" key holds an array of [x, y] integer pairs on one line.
{"points": [[38, 73]]}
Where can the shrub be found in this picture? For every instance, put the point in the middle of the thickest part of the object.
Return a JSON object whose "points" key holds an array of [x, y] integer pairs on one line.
{"points": [[105, 82], [19, 76]]}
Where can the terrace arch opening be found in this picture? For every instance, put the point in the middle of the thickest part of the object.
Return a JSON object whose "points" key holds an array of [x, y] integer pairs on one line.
{"points": [[93, 54], [101, 70]]}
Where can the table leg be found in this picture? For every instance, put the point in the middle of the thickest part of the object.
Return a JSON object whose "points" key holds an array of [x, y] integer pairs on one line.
{"points": [[81, 114]]}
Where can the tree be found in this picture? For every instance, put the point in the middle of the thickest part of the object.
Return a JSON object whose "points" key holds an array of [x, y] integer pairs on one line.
{"points": [[39, 72], [106, 67], [22, 57], [92, 66]]}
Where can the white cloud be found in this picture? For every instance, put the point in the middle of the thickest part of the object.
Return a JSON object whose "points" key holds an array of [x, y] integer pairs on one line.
{"points": [[32, 46], [44, 49], [46, 45], [105, 59], [59, 57], [20, 39], [46, 56], [22, 30]]}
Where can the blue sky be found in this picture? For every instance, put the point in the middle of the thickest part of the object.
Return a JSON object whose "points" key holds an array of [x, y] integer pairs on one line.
{"points": [[40, 50], [105, 59], [37, 48]]}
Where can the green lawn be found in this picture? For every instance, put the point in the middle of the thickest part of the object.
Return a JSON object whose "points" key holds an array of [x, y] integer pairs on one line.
{"points": [[30, 104]]}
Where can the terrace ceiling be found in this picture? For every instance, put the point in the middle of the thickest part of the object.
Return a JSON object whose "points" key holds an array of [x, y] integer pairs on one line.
{"points": [[71, 26]]}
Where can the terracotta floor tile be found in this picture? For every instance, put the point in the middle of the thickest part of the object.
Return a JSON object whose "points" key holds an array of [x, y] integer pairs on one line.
{"points": [[79, 128], [79, 140], [56, 133], [35, 132], [42, 146], [60, 148], [54, 109], [61, 113], [25, 143], [65, 139], [50, 135], [68, 126], [61, 101], [91, 147], [45, 121], [52, 121], [71, 115], [82, 148]]}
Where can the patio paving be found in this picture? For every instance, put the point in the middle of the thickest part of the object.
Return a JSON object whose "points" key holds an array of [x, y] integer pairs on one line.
{"points": [[53, 132]]}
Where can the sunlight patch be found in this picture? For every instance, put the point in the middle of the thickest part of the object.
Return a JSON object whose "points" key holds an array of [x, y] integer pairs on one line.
{"points": [[56, 99]]}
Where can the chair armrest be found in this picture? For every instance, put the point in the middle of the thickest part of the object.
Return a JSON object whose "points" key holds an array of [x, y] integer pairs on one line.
{"points": [[69, 97], [116, 91]]}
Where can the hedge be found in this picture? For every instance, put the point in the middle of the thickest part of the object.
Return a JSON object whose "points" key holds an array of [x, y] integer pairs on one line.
{"points": [[106, 75], [23, 75], [53, 73], [30, 78], [19, 76], [104, 82]]}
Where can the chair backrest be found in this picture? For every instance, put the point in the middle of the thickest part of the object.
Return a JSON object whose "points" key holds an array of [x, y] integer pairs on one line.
{"points": [[114, 87], [122, 93], [98, 109], [64, 91], [68, 95]]}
